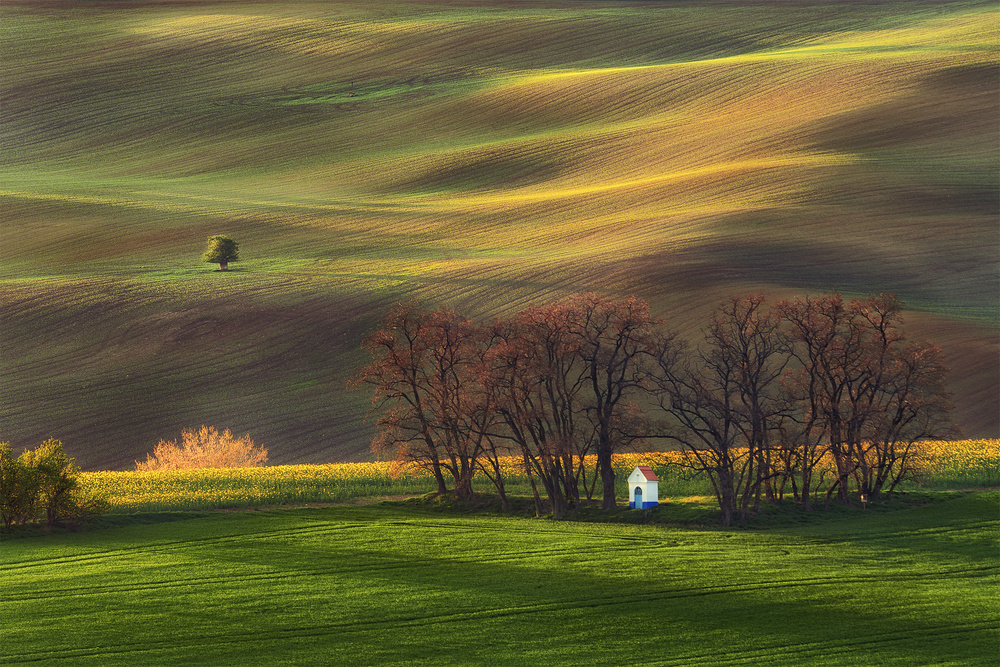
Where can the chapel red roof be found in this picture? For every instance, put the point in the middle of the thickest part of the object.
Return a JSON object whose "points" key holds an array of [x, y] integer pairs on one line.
{"points": [[647, 472]]}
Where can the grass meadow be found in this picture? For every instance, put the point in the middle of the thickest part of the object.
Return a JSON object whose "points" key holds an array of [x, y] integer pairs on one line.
{"points": [[304, 566], [482, 156], [397, 584]]}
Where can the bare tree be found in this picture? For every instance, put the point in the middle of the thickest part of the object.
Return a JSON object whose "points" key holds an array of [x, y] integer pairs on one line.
{"points": [[831, 348], [422, 368], [614, 339], [537, 380], [911, 404], [724, 401], [743, 335], [863, 388], [758, 405]]}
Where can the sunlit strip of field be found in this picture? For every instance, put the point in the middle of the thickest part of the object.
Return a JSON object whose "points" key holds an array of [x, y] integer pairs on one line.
{"points": [[942, 464], [746, 152], [202, 203], [972, 29]]}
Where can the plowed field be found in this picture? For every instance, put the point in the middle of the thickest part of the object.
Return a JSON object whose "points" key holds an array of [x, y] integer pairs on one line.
{"points": [[478, 155]]}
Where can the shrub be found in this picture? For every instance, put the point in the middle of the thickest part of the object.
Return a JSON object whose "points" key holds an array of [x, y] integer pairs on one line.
{"points": [[17, 492], [204, 448], [45, 482]]}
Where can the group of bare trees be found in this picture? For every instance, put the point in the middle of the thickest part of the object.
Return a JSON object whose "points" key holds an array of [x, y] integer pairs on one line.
{"points": [[758, 403], [772, 392]]}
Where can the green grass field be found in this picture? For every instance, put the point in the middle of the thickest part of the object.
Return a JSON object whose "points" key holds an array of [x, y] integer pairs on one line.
{"points": [[181, 572], [483, 156], [396, 584]]}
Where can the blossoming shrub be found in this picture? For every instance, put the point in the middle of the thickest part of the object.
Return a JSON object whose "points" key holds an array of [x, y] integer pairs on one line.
{"points": [[204, 448]]}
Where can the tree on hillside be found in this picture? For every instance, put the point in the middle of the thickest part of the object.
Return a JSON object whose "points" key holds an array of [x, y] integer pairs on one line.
{"points": [[221, 251]]}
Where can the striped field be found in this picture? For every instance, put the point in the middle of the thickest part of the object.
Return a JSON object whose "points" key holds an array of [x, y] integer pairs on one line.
{"points": [[395, 585], [480, 156]]}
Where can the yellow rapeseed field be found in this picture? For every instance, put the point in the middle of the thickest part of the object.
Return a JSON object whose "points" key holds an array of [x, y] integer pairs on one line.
{"points": [[249, 487], [975, 462], [941, 464]]}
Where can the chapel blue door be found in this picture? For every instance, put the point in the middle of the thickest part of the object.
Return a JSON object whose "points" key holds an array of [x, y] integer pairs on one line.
{"points": [[638, 497]]}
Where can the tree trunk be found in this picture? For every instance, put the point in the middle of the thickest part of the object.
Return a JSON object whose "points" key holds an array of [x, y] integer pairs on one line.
{"points": [[806, 483], [727, 516], [534, 487], [223, 266], [607, 477], [502, 492], [439, 477], [463, 487]]}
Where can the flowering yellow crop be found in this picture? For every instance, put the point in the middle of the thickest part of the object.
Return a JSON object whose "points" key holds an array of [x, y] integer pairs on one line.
{"points": [[248, 487], [974, 462], [940, 464]]}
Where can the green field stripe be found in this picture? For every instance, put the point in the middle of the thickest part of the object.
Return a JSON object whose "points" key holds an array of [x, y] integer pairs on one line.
{"points": [[292, 584], [805, 649], [16, 594], [165, 547], [852, 648]]}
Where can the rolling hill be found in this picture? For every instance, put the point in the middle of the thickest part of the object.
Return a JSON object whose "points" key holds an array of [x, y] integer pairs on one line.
{"points": [[483, 155]]}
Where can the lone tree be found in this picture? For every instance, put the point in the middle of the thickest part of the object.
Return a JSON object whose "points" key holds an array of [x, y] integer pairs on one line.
{"points": [[221, 251]]}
